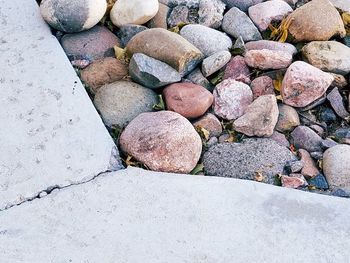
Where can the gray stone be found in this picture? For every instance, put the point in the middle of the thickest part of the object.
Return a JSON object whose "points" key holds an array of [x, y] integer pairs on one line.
{"points": [[244, 160], [178, 15], [305, 138], [151, 72], [211, 13], [328, 143], [215, 62], [336, 166], [337, 103], [239, 46], [342, 135], [188, 3], [196, 77], [280, 138], [288, 118], [127, 32], [242, 4], [51, 134], [271, 45], [237, 24], [294, 166], [122, 101], [207, 40]]}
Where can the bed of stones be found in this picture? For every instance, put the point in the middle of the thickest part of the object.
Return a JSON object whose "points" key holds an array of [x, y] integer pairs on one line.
{"points": [[247, 89]]}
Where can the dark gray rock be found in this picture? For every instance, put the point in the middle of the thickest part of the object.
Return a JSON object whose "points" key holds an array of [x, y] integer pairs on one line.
{"points": [[328, 143], [237, 24], [188, 3], [347, 41], [327, 115], [211, 13], [196, 77], [342, 135], [178, 15], [242, 4], [127, 32], [151, 72], [305, 138], [319, 182], [239, 47], [247, 159]]}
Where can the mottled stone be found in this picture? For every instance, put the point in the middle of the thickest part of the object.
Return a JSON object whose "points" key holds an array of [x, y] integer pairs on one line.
{"points": [[247, 159], [178, 15], [93, 44], [262, 86], [215, 62], [294, 166], [231, 99], [151, 72], [104, 71], [319, 182], [327, 115], [242, 4], [304, 138], [238, 70], [210, 123], [163, 141], [122, 101], [271, 45], [197, 77], [206, 39], [267, 59], [127, 32], [280, 138], [72, 16], [133, 11], [303, 84], [189, 100], [288, 118], [339, 81], [337, 103], [237, 24], [293, 181], [260, 117], [264, 13], [174, 49], [309, 170], [211, 13]]}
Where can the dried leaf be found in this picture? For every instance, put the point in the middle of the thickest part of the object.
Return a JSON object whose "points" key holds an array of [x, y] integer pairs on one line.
{"points": [[259, 177], [280, 33], [161, 105], [346, 20], [217, 79], [204, 133], [121, 54], [176, 29]]}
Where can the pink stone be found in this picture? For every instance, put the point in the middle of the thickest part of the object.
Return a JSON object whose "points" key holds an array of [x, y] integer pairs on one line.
{"points": [[238, 70], [271, 45], [280, 138], [264, 13], [231, 99], [210, 123], [303, 84], [262, 86], [268, 59], [309, 170], [293, 181]]}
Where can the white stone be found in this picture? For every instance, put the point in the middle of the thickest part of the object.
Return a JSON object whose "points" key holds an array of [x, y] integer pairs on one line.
{"points": [[133, 11], [139, 216], [50, 133]]}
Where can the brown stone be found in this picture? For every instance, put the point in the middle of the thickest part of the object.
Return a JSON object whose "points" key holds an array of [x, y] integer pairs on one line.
{"points": [[103, 72], [293, 181], [160, 20], [189, 100], [164, 141], [288, 118], [210, 123], [309, 170], [238, 70], [268, 59], [262, 86]]}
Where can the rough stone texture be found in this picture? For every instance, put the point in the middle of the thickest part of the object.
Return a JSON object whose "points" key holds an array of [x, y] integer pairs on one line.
{"points": [[127, 32], [189, 100], [343, 135], [271, 45], [122, 101], [262, 86], [304, 84], [280, 138], [336, 166], [336, 101], [160, 19], [260, 117], [264, 13], [339, 81], [188, 3], [316, 20], [288, 118], [305, 138], [174, 50], [178, 15], [244, 160], [211, 13], [242, 4], [151, 72], [72, 16], [309, 170], [196, 77], [293, 181], [92, 44], [231, 99], [215, 62], [133, 11], [267, 59], [331, 56], [210, 123], [237, 24], [140, 213], [206, 39], [238, 70], [51, 133], [103, 72], [163, 141]]}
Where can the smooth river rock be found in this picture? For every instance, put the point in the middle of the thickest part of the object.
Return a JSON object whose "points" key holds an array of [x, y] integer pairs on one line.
{"points": [[271, 45], [242, 4], [268, 59]]}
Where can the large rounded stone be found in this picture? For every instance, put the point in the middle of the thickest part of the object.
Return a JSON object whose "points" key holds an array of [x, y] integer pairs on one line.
{"points": [[164, 141], [231, 99], [189, 100], [168, 47], [73, 16], [304, 84], [330, 56], [316, 20], [268, 59], [336, 166], [122, 101], [271, 45], [93, 44], [133, 11], [103, 72], [206, 39], [248, 159]]}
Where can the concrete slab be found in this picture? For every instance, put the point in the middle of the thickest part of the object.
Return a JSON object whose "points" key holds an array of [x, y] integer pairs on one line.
{"points": [[50, 133], [139, 216]]}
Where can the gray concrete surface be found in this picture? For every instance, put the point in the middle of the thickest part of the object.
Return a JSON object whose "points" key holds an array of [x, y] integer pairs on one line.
{"points": [[50, 133], [139, 216]]}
